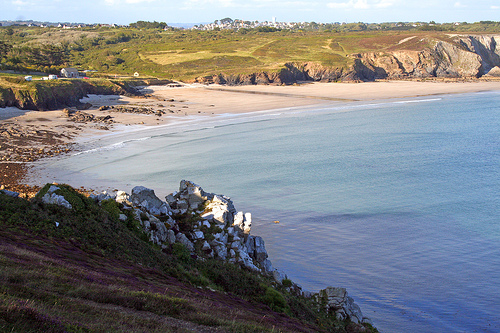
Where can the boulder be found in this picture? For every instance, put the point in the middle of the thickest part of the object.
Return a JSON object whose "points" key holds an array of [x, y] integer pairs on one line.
{"points": [[182, 206], [220, 249], [336, 297], [146, 199], [10, 193], [238, 219], [181, 238], [247, 223], [123, 198], [279, 275], [205, 246], [353, 310], [198, 235], [267, 266], [220, 210], [260, 253], [247, 261], [243, 221], [55, 199], [171, 198], [170, 237], [342, 305], [193, 193], [105, 196], [157, 230]]}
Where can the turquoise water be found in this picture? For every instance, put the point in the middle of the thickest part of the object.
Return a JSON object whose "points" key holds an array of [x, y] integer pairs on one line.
{"points": [[396, 200]]}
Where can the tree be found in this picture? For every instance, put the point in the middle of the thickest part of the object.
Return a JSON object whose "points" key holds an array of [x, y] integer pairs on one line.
{"points": [[267, 29], [226, 20], [4, 49], [148, 25], [46, 55]]}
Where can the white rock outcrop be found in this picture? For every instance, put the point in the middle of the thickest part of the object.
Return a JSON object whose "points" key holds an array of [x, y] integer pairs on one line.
{"points": [[340, 303], [146, 199], [55, 199], [211, 228]]}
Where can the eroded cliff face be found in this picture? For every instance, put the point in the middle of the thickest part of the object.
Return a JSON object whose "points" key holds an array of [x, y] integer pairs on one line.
{"points": [[465, 57], [459, 57], [46, 95]]}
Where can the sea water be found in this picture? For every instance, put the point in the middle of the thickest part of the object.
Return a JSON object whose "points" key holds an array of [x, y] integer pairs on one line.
{"points": [[398, 201]]}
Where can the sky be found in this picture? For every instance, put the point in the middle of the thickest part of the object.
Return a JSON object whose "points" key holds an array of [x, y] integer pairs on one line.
{"points": [[198, 11]]}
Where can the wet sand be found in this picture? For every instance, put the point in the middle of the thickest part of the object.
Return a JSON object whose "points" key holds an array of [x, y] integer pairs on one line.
{"points": [[36, 135]]}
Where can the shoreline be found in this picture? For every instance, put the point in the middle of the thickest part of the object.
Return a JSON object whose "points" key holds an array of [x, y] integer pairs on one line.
{"points": [[37, 135]]}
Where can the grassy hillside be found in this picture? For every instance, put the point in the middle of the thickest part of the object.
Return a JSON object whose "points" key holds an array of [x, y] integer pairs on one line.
{"points": [[187, 54], [83, 270], [53, 94]]}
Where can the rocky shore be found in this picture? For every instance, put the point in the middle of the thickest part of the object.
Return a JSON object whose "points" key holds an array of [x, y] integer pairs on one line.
{"points": [[208, 226], [27, 141]]}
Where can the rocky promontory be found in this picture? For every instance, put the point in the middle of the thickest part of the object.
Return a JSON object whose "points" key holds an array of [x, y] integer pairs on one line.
{"points": [[459, 57], [136, 263], [43, 95], [207, 225]]}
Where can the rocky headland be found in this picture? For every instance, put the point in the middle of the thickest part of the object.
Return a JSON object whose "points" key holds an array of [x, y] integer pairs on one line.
{"points": [[461, 57], [207, 225], [56, 94]]}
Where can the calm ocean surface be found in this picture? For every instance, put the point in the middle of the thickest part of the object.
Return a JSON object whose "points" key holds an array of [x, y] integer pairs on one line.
{"points": [[398, 201]]}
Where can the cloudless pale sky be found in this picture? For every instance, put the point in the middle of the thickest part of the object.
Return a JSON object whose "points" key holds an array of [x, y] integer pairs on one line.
{"points": [[196, 11]]}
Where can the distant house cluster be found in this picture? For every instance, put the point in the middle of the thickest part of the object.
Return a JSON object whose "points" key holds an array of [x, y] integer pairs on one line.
{"points": [[240, 24], [237, 24], [66, 25]]}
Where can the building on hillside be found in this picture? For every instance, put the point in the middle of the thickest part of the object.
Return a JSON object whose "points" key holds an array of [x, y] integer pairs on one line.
{"points": [[69, 72], [52, 77]]}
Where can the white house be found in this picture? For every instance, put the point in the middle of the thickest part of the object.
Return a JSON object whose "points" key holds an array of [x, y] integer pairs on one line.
{"points": [[69, 72], [28, 78]]}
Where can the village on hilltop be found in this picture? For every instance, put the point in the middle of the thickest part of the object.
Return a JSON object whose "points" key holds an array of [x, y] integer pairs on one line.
{"points": [[236, 24]]}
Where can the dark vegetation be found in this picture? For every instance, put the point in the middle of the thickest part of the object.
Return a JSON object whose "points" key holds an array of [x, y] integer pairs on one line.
{"points": [[84, 270]]}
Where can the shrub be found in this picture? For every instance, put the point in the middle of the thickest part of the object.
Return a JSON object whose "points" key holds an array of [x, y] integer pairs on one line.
{"points": [[287, 283], [111, 206], [274, 299], [181, 252]]}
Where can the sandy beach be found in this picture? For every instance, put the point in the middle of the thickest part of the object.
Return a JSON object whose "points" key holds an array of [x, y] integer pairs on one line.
{"points": [[36, 135]]}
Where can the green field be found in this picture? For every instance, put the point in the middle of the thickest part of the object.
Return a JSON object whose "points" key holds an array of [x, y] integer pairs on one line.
{"points": [[187, 54]]}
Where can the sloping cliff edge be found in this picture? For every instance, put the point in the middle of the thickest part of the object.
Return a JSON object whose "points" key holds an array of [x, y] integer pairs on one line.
{"points": [[55, 94], [468, 57], [193, 225]]}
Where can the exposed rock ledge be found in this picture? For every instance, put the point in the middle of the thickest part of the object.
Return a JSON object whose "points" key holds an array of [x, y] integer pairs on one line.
{"points": [[208, 225], [461, 57]]}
